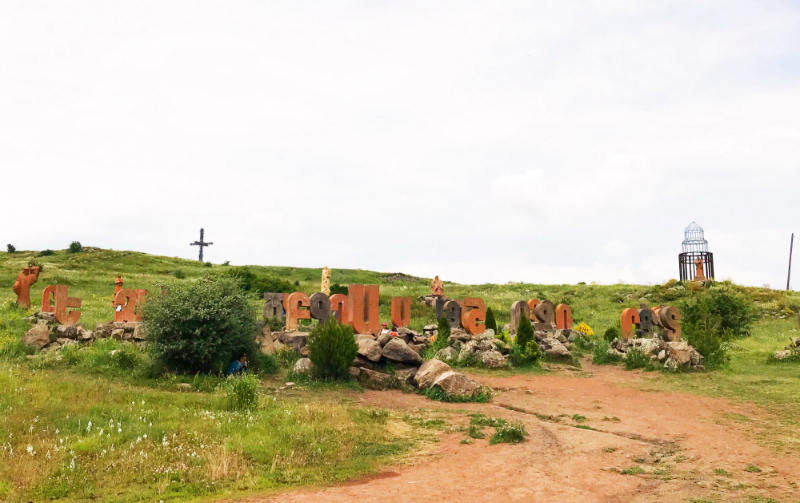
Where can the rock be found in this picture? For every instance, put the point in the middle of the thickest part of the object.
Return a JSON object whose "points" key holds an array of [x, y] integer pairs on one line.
{"points": [[397, 350], [502, 347], [354, 372], [66, 332], [561, 338], [278, 345], [118, 334], [368, 347], [421, 340], [671, 364], [456, 384], [680, 352], [651, 346], [469, 351], [406, 374], [266, 345], [447, 354], [384, 339], [487, 344], [662, 355], [184, 386], [41, 318], [37, 336], [361, 361], [458, 334], [782, 355], [295, 340], [304, 351], [493, 359], [86, 336], [489, 332], [418, 348], [138, 333], [303, 366], [64, 342], [555, 349], [429, 372], [372, 379]]}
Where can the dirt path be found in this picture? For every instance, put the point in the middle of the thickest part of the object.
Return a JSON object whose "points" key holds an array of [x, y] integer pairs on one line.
{"points": [[678, 440]]}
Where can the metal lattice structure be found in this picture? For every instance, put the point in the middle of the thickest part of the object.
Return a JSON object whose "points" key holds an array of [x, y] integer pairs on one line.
{"points": [[695, 246]]}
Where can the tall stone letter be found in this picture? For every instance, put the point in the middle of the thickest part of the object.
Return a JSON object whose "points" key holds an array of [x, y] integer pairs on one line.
{"points": [[544, 313], [452, 311], [61, 304], [363, 306], [474, 311], [293, 304], [339, 306], [629, 317], [563, 317], [273, 305], [401, 311], [320, 307], [669, 317]]}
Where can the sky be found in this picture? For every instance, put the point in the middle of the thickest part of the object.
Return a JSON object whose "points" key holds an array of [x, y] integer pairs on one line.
{"points": [[542, 142]]}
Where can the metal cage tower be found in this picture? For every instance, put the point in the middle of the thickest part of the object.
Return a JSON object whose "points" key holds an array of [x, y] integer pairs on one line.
{"points": [[695, 246]]}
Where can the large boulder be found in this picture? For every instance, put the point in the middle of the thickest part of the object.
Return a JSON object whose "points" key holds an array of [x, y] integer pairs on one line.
{"points": [[447, 354], [384, 339], [681, 352], [377, 380], [368, 347], [66, 332], [37, 336], [556, 349], [303, 366], [398, 351], [361, 361], [493, 359], [429, 372], [418, 348], [456, 384], [469, 351], [295, 340]]}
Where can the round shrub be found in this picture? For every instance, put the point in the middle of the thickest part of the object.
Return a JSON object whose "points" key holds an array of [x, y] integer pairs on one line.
{"points": [[75, 247], [200, 326], [11, 248], [611, 333], [332, 348]]}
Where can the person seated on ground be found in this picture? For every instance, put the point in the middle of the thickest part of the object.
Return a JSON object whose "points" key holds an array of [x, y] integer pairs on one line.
{"points": [[393, 332], [238, 366], [384, 329]]}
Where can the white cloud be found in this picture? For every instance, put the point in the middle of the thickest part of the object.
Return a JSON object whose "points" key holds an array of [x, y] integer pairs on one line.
{"points": [[515, 140]]}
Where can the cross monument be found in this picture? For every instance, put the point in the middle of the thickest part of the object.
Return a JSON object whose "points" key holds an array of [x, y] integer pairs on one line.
{"points": [[201, 244]]}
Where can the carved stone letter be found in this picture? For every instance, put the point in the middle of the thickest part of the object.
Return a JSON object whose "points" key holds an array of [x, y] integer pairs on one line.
{"points": [[363, 305], [294, 313], [401, 311], [320, 307]]}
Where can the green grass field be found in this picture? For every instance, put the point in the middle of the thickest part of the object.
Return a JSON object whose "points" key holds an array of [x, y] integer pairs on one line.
{"points": [[149, 442]]}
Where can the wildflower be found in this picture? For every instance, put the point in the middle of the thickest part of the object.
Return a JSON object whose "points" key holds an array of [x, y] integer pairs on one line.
{"points": [[47, 455], [119, 430], [89, 427], [30, 449], [101, 432]]}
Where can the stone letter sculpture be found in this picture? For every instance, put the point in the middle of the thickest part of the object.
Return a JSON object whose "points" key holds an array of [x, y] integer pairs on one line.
{"points": [[320, 307], [294, 312], [452, 311], [544, 313], [437, 287], [518, 310], [669, 317], [339, 308], [563, 317], [60, 304], [128, 299], [401, 311], [645, 325], [363, 307], [117, 287], [325, 287], [532, 303], [628, 318], [474, 311], [273, 305], [698, 270], [22, 286]]}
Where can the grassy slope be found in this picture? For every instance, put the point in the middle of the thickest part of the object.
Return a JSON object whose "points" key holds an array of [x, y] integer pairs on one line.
{"points": [[346, 442]]}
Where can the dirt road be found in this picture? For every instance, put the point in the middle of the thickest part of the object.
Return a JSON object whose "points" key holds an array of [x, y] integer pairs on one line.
{"points": [[677, 440]]}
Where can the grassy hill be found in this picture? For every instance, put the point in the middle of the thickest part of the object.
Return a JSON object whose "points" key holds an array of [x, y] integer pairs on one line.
{"points": [[90, 276]]}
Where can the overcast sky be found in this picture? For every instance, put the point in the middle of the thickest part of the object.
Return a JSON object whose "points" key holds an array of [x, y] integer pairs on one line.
{"points": [[546, 142]]}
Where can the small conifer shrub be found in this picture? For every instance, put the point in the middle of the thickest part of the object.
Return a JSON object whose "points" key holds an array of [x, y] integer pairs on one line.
{"points": [[524, 332], [491, 323], [332, 348]]}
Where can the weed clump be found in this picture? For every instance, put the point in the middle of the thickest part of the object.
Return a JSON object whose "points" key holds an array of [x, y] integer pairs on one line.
{"points": [[601, 354], [241, 392], [200, 326], [332, 348], [513, 433], [179, 274], [635, 359]]}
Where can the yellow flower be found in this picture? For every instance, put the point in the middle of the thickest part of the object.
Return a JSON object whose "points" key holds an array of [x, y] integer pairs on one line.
{"points": [[584, 329]]}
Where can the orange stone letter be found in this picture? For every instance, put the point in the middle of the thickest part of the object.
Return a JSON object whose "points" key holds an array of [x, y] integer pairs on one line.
{"points": [[22, 287], [563, 317], [363, 307], [128, 299], [630, 316], [340, 309], [401, 311], [61, 303], [293, 304], [474, 311], [532, 303]]}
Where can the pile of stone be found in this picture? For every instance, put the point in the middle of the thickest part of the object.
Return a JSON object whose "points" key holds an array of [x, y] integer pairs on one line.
{"points": [[673, 355], [48, 335], [486, 350], [556, 344], [791, 350], [390, 361]]}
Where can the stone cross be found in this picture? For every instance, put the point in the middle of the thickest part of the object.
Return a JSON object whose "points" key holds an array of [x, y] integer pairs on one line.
{"points": [[201, 244]]}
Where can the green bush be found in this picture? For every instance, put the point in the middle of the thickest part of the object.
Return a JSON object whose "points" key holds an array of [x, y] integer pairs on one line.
{"points": [[201, 326], [332, 348], [179, 274], [736, 312], [207, 264], [600, 353], [258, 284], [337, 288], [611, 333], [706, 334], [491, 323], [286, 357], [46, 253], [524, 357], [635, 359], [442, 335], [11, 248], [264, 364], [524, 332], [241, 392], [75, 247], [513, 433]]}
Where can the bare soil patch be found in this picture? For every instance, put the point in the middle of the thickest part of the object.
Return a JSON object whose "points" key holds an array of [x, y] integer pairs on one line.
{"points": [[643, 447]]}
